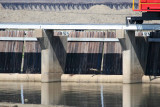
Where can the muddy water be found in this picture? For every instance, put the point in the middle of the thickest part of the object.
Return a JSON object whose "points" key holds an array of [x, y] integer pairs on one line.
{"points": [[80, 94]]}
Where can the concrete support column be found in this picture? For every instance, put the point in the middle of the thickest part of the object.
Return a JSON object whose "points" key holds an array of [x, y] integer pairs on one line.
{"points": [[132, 69], [53, 56]]}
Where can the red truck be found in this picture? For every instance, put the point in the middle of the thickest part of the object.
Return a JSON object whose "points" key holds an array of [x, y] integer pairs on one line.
{"points": [[148, 5], [150, 11]]}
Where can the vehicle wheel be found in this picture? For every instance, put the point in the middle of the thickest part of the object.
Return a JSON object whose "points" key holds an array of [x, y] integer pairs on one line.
{"points": [[139, 22], [132, 21]]}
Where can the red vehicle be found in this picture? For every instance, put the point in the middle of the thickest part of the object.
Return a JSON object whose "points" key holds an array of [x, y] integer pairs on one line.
{"points": [[148, 5], [150, 11]]}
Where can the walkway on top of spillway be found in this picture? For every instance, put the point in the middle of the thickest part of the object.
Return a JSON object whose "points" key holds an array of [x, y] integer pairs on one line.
{"points": [[79, 26]]}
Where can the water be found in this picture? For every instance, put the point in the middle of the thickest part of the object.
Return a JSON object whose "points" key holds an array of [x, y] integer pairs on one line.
{"points": [[80, 94]]}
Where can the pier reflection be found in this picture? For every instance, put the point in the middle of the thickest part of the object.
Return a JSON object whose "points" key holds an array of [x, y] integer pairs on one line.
{"points": [[141, 95], [80, 94], [50, 93], [132, 95]]}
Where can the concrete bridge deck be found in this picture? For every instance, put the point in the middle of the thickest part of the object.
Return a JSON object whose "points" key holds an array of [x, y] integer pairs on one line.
{"points": [[79, 26]]}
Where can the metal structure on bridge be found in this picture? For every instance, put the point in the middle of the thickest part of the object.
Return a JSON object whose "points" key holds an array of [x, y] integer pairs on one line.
{"points": [[140, 27], [150, 11]]}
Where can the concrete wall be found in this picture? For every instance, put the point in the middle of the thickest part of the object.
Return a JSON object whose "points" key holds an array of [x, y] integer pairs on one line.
{"points": [[104, 78], [20, 77], [74, 78], [92, 78], [67, 13], [63, 4], [4, 104], [151, 79]]}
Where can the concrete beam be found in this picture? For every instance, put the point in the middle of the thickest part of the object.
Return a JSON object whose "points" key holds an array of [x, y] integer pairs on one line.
{"points": [[70, 39], [119, 33], [38, 33], [53, 56], [79, 27], [92, 40], [32, 39]]}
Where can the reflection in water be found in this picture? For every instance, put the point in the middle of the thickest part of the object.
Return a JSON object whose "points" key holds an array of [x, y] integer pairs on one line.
{"points": [[51, 93], [132, 95], [29, 93], [102, 96], [22, 97], [90, 94], [81, 94]]}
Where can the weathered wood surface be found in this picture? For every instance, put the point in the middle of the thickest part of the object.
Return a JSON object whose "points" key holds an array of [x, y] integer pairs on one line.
{"points": [[11, 53], [82, 57], [86, 57], [112, 55]]}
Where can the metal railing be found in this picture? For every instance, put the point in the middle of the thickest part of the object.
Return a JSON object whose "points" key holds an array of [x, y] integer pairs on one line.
{"points": [[79, 26]]}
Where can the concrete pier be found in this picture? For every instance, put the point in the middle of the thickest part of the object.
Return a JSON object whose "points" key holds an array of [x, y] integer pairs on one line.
{"points": [[53, 56], [132, 69]]}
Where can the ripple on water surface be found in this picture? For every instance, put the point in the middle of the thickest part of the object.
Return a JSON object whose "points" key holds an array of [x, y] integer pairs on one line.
{"points": [[81, 94]]}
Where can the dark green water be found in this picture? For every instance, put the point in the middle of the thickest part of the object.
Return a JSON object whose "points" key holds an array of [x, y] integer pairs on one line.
{"points": [[81, 94]]}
